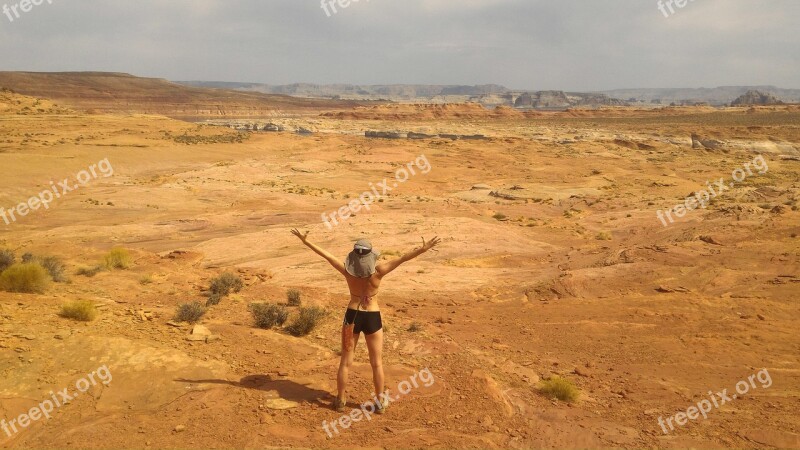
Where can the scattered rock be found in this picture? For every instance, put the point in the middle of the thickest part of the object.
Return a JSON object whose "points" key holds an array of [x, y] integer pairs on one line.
{"points": [[710, 240], [280, 404], [174, 324], [481, 187], [385, 135], [180, 428], [761, 317], [668, 289], [201, 330], [582, 372], [62, 334], [273, 127], [213, 337]]}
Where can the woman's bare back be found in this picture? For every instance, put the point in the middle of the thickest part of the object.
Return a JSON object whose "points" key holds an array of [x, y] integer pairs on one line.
{"points": [[363, 292]]}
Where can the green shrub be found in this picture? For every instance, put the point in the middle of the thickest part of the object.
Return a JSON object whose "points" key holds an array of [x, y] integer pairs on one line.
{"points": [[7, 259], [308, 319], [90, 272], [293, 297], [118, 258], [26, 278], [83, 310], [268, 315], [559, 388], [225, 283], [189, 312]]}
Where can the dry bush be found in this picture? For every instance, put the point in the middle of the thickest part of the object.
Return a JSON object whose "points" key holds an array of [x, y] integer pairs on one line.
{"points": [[7, 259], [55, 267], [604, 236], [83, 310], [189, 312], [25, 278], [268, 315], [118, 258], [225, 283], [308, 319], [559, 388], [213, 299], [293, 297], [90, 271], [415, 327]]}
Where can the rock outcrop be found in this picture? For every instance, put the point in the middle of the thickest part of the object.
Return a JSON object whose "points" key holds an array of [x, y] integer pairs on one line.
{"points": [[561, 99], [543, 99], [756, 98]]}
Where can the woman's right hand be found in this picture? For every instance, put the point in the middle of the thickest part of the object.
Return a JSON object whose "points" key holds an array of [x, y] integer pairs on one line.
{"points": [[302, 236]]}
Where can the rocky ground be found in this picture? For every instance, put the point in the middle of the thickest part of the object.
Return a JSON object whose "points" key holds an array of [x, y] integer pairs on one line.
{"points": [[554, 263]]}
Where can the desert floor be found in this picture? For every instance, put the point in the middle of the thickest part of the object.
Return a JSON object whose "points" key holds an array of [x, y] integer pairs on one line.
{"points": [[559, 266]]}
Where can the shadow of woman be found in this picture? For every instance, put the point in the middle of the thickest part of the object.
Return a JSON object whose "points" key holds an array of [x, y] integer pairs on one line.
{"points": [[286, 389]]}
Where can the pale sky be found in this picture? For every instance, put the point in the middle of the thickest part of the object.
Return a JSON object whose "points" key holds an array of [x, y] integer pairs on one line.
{"points": [[575, 45]]}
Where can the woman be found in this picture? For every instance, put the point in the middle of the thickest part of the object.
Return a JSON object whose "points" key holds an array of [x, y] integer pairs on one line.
{"points": [[363, 275]]}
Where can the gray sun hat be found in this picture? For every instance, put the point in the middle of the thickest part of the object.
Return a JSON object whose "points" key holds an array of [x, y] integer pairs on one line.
{"points": [[361, 266]]}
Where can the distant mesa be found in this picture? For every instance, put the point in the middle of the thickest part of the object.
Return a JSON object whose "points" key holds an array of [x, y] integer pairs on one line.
{"points": [[117, 92], [543, 99], [412, 135], [563, 100], [756, 98]]}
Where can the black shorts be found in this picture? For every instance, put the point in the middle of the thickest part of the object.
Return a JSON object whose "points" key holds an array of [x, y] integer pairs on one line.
{"points": [[367, 321]]}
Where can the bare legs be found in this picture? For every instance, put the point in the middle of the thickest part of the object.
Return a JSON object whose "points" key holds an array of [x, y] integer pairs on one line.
{"points": [[375, 347], [345, 363]]}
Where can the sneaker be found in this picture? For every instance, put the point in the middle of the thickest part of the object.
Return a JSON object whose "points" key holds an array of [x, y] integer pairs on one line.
{"points": [[339, 405], [380, 408]]}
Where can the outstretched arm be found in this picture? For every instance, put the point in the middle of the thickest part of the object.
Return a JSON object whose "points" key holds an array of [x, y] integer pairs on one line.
{"points": [[338, 265], [384, 269]]}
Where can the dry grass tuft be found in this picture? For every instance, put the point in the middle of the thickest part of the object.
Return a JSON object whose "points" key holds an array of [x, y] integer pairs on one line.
{"points": [[82, 310], [26, 278]]}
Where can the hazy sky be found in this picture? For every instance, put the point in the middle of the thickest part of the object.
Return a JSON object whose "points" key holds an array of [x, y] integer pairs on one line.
{"points": [[522, 44]]}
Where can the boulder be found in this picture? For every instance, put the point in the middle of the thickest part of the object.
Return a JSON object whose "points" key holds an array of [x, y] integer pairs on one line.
{"points": [[273, 127]]}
